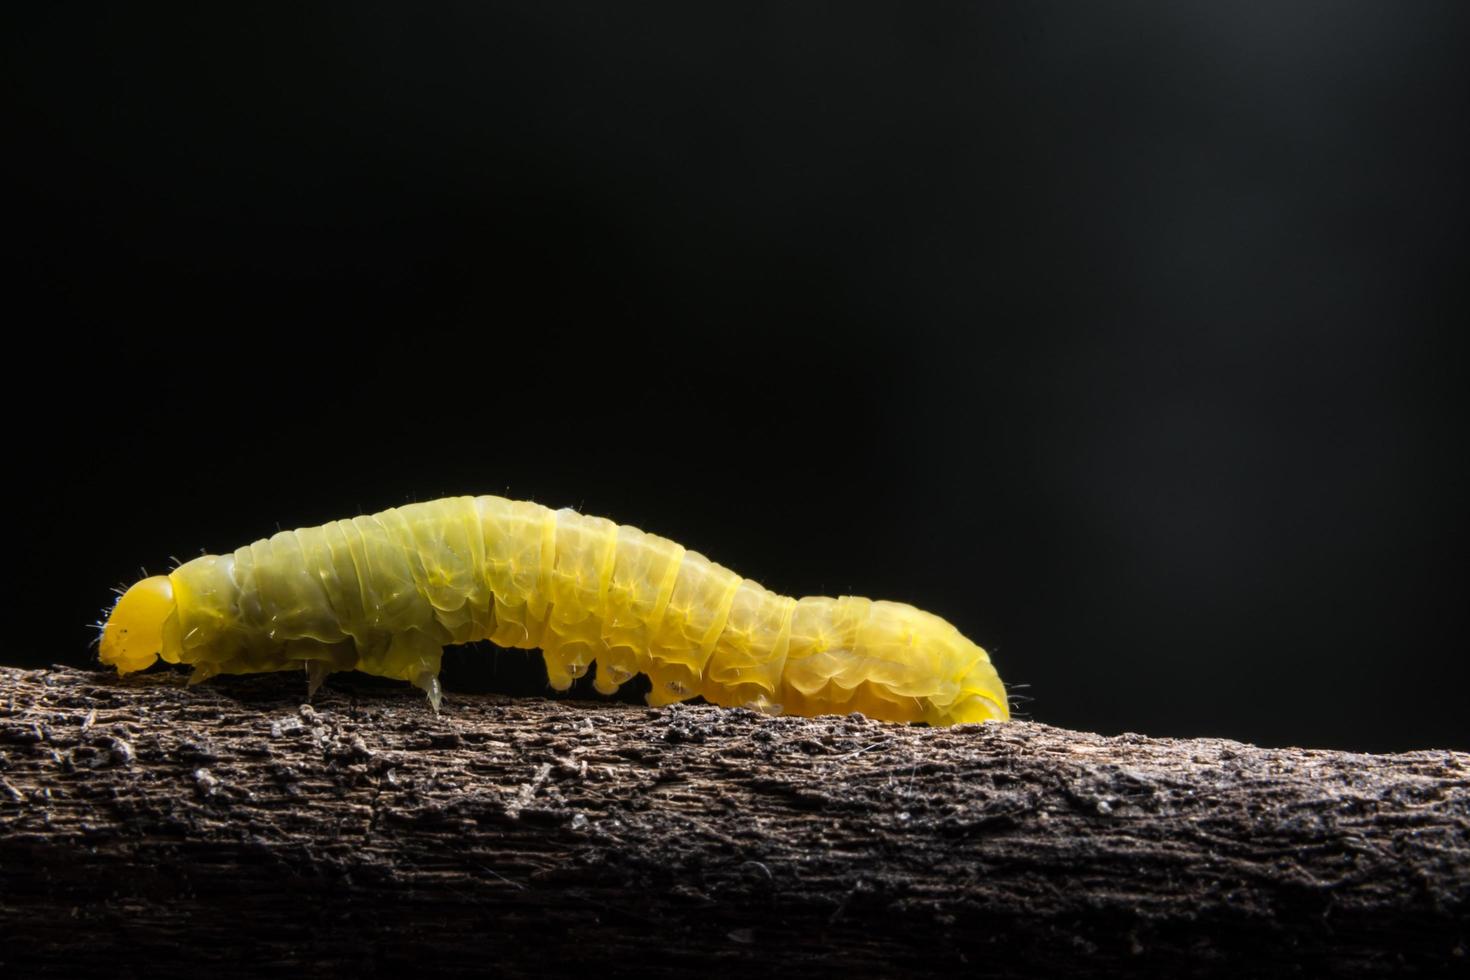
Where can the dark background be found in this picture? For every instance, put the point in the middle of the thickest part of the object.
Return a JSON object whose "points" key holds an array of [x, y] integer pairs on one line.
{"points": [[1128, 337]]}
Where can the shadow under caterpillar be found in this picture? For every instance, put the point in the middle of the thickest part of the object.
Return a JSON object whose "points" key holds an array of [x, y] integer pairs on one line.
{"points": [[385, 593]]}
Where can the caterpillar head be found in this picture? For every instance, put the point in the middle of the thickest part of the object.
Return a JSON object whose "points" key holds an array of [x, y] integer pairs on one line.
{"points": [[133, 636]]}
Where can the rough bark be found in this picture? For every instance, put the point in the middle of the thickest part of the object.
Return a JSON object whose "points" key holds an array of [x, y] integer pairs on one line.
{"points": [[149, 828]]}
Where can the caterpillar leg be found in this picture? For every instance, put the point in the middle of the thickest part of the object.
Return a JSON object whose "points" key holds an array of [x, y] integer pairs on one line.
{"points": [[201, 673], [672, 683], [412, 656], [615, 667], [764, 705], [321, 659], [416, 656], [316, 672], [429, 684]]}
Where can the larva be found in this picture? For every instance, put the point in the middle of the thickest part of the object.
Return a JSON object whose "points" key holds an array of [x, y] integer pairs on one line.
{"points": [[385, 593]]}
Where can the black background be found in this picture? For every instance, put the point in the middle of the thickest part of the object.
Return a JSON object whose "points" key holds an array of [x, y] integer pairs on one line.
{"points": [[1128, 337]]}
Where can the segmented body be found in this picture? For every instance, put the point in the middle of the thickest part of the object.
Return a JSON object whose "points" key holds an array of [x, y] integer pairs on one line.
{"points": [[385, 593]]}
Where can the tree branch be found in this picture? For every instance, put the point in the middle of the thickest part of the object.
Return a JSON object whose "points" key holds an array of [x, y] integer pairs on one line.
{"points": [[166, 829]]}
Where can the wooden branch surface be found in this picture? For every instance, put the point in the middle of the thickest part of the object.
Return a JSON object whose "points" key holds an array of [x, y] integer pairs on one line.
{"points": [[151, 829]]}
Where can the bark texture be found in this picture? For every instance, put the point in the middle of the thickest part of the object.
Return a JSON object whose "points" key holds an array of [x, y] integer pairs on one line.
{"points": [[151, 829]]}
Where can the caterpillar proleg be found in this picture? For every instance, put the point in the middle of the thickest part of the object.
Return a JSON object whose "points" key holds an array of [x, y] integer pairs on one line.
{"points": [[385, 593]]}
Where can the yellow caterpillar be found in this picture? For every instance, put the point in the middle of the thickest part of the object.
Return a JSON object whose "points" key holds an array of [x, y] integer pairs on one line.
{"points": [[384, 594]]}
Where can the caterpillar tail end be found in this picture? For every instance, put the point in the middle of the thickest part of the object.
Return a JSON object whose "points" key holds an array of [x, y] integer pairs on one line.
{"points": [[983, 699], [133, 636]]}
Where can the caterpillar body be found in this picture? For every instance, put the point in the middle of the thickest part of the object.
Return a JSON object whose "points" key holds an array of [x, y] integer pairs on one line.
{"points": [[385, 593]]}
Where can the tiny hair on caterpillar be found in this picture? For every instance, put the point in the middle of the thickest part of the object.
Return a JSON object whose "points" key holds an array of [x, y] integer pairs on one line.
{"points": [[385, 593]]}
